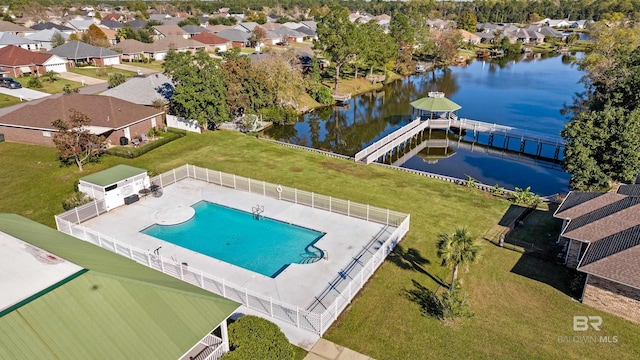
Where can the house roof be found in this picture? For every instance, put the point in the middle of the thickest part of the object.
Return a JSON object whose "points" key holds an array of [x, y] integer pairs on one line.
{"points": [[137, 24], [50, 25], [610, 224], [130, 46], [16, 56], [80, 24], [111, 24], [103, 111], [116, 307], [10, 39], [467, 35], [217, 28], [209, 38], [143, 90], [194, 29], [168, 30], [46, 35], [249, 26], [174, 42], [78, 50], [234, 35], [271, 26], [314, 25], [112, 17], [112, 175], [7, 26]]}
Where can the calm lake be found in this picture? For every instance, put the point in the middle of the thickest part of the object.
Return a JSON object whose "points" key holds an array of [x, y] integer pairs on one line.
{"points": [[526, 93]]}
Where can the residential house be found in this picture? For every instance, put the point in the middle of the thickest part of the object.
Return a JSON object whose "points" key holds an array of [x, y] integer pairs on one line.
{"points": [[63, 297], [290, 35], [558, 23], [111, 34], [8, 39], [193, 30], [77, 52], [17, 62], [110, 24], [308, 33], [144, 90], [601, 237], [237, 37], [314, 25], [469, 37], [137, 24], [217, 28], [80, 25], [110, 117], [162, 31], [159, 17], [441, 24], [131, 50], [246, 26], [50, 25], [25, 21], [121, 18], [44, 37], [486, 36], [15, 29], [213, 42], [271, 26], [549, 31], [580, 24], [527, 36]]}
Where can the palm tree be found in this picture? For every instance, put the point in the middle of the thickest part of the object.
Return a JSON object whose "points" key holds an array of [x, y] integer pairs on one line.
{"points": [[457, 249]]}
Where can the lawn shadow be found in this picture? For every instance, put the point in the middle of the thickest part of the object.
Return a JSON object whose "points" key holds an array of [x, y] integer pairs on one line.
{"points": [[411, 259], [542, 258], [427, 299]]}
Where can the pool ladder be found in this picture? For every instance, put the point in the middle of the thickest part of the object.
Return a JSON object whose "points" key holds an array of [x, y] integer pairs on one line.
{"points": [[257, 211]]}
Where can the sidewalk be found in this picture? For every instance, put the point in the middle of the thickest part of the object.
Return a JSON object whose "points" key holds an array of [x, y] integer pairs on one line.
{"points": [[326, 350]]}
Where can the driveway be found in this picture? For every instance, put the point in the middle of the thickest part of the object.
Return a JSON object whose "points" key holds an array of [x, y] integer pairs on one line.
{"points": [[24, 93], [84, 80]]}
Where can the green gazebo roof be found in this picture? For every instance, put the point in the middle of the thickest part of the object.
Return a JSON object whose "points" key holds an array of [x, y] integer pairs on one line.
{"points": [[116, 308], [113, 175], [435, 104]]}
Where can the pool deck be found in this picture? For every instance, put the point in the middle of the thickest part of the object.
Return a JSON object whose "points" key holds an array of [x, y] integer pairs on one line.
{"points": [[348, 241]]}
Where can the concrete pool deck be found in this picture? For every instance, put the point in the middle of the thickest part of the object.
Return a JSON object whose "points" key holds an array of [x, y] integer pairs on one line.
{"points": [[349, 242]]}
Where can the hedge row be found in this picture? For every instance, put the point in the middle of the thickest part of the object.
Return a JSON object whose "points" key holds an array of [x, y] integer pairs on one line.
{"points": [[130, 153]]}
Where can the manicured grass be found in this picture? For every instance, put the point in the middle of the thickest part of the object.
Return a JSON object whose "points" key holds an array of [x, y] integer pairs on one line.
{"points": [[93, 72], [50, 87], [6, 100], [520, 302], [154, 65]]}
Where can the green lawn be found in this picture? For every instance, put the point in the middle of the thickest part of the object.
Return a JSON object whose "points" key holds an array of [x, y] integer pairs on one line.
{"points": [[50, 87], [96, 72], [155, 65], [520, 302], [7, 100]]}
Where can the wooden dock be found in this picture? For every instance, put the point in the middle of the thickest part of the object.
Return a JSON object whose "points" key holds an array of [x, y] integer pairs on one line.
{"points": [[400, 138], [341, 97]]}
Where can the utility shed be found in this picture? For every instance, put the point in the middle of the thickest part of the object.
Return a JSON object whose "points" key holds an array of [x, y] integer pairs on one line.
{"points": [[115, 185]]}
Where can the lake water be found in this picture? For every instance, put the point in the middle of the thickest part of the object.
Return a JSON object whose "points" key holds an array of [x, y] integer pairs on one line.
{"points": [[526, 93]]}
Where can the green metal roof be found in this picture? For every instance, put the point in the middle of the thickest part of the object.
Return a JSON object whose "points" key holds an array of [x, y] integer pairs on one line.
{"points": [[117, 309], [113, 175], [435, 104]]}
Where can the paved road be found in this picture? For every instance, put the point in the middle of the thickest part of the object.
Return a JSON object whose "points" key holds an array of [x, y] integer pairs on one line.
{"points": [[24, 93]]}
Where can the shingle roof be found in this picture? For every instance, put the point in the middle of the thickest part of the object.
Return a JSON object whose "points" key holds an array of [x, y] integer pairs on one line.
{"points": [[143, 90], [168, 30], [80, 24], [116, 309], [137, 24], [605, 221], [111, 24], [620, 264], [194, 29], [17, 56], [50, 25], [209, 38], [11, 27], [581, 204], [103, 111], [75, 50], [630, 190], [234, 35], [174, 42], [10, 39], [46, 35], [130, 46]]}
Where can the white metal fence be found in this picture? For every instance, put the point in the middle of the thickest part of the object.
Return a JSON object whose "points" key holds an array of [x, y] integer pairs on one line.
{"points": [[316, 322]]}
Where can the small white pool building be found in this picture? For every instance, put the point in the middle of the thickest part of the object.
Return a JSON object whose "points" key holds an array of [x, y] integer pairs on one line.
{"points": [[118, 185]]}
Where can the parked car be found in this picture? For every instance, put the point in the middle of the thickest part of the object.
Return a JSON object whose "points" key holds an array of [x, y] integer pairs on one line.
{"points": [[10, 83], [283, 43]]}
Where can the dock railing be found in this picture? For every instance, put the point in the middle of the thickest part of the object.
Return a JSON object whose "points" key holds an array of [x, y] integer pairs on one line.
{"points": [[313, 321]]}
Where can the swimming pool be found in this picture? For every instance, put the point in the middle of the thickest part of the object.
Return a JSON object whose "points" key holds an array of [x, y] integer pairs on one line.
{"points": [[265, 246]]}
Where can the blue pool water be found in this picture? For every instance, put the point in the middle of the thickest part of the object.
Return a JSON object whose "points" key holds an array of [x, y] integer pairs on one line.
{"points": [[265, 246]]}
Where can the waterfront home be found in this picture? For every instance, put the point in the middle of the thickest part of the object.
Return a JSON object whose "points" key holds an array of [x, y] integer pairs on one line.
{"points": [[601, 238]]}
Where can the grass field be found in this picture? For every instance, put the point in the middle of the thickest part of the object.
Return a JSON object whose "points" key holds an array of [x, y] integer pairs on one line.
{"points": [[521, 303], [50, 87], [7, 100], [96, 72], [154, 65]]}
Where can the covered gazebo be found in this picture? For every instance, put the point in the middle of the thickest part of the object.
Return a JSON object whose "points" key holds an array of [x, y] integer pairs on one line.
{"points": [[435, 106]]}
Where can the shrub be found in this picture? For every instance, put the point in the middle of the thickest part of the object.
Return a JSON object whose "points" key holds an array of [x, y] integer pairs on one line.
{"points": [[76, 199], [497, 190], [116, 79], [252, 337], [322, 94], [34, 83], [68, 90], [279, 115], [526, 196], [455, 304], [101, 71]]}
